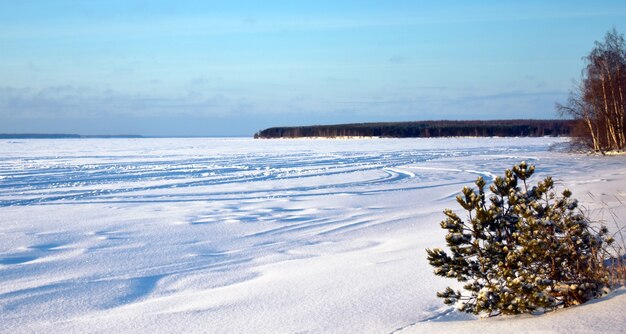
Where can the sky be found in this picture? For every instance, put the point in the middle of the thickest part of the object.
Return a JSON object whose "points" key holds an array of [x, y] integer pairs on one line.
{"points": [[231, 68]]}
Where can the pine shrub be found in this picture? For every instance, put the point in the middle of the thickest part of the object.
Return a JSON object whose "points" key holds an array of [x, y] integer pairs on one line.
{"points": [[524, 249]]}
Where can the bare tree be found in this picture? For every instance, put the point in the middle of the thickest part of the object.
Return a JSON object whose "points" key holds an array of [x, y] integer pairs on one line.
{"points": [[599, 100], [579, 110]]}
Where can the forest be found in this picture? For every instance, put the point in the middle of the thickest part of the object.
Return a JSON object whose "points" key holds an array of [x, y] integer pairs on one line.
{"points": [[427, 129]]}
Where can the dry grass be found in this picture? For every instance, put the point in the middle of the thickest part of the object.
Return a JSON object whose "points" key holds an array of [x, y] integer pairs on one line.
{"points": [[614, 252]]}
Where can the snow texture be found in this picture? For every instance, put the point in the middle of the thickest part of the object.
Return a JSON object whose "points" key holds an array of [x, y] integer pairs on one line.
{"points": [[259, 236]]}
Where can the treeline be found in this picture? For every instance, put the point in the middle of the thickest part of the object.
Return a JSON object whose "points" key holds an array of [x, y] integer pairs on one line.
{"points": [[426, 129], [599, 101]]}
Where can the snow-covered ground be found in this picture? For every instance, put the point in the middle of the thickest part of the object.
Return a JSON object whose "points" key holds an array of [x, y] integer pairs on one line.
{"points": [[259, 236]]}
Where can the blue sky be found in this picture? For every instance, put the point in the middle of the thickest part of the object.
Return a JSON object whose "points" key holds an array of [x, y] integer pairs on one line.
{"points": [[230, 68]]}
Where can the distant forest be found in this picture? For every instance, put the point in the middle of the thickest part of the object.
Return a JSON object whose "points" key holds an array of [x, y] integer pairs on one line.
{"points": [[427, 129], [59, 136]]}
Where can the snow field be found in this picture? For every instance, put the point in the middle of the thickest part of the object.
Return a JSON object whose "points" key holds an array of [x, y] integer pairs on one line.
{"points": [[238, 235]]}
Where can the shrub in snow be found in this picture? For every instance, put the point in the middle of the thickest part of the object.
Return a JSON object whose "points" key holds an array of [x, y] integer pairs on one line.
{"points": [[523, 249]]}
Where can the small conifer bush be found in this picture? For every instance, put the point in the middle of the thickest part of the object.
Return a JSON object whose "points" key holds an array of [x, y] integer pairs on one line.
{"points": [[523, 249]]}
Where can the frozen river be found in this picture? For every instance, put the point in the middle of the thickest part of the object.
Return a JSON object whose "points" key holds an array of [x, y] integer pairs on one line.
{"points": [[241, 235]]}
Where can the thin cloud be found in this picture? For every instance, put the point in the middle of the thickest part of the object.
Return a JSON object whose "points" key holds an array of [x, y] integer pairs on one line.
{"points": [[78, 102], [512, 95], [397, 59]]}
